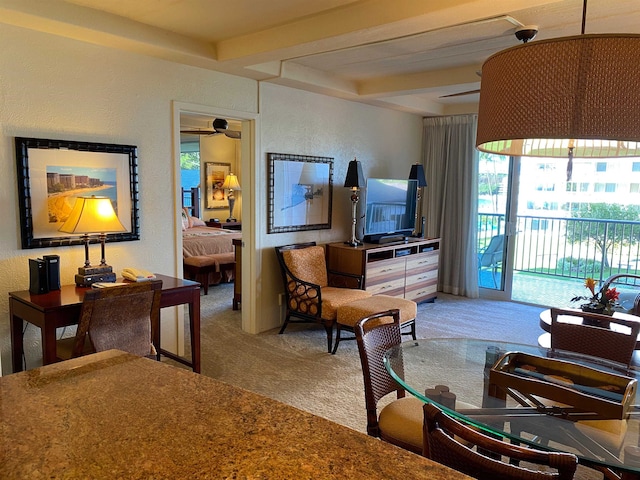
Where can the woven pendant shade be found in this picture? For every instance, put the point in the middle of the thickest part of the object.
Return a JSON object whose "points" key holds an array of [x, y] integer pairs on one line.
{"points": [[540, 98]]}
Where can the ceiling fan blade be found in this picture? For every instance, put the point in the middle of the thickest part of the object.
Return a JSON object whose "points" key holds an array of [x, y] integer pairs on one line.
{"points": [[460, 94], [236, 135], [199, 132]]}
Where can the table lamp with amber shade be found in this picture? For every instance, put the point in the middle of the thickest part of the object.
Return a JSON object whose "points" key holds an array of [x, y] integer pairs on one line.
{"points": [[231, 183], [91, 215]]}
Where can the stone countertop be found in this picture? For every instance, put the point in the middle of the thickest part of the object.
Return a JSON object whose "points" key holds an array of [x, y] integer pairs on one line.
{"points": [[113, 415]]}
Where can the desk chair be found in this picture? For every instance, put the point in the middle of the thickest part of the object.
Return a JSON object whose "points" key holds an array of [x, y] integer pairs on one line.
{"points": [[312, 293], [399, 422], [121, 317], [451, 442]]}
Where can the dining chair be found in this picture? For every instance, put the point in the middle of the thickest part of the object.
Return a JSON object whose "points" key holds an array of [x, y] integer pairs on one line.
{"points": [[594, 336], [468, 450], [121, 317], [312, 292], [399, 421]]}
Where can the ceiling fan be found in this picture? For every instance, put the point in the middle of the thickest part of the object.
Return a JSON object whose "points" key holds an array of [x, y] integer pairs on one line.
{"points": [[218, 126], [524, 34]]}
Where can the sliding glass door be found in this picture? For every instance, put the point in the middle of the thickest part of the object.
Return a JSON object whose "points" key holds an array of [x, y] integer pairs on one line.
{"points": [[497, 193]]}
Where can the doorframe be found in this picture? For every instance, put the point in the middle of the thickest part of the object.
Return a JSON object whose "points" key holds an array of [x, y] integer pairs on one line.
{"points": [[249, 153]]}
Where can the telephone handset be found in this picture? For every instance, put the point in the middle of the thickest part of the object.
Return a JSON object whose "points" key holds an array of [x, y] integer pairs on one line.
{"points": [[137, 274]]}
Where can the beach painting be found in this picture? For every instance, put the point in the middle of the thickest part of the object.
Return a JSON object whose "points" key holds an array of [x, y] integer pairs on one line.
{"points": [[65, 184], [54, 177]]}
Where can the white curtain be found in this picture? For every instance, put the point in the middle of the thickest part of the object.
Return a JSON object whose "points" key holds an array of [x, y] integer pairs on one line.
{"points": [[451, 169]]}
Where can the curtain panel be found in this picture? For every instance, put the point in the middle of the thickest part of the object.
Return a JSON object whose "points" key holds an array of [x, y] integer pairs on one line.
{"points": [[450, 161]]}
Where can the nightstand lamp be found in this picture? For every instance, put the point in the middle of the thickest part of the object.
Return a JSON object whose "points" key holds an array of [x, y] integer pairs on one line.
{"points": [[91, 215], [231, 183]]}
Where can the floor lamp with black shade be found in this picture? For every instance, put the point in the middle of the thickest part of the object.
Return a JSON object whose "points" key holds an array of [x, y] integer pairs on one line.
{"points": [[417, 173], [355, 181]]}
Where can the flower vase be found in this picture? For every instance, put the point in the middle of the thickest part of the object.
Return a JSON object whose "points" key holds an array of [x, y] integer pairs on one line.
{"points": [[596, 308]]}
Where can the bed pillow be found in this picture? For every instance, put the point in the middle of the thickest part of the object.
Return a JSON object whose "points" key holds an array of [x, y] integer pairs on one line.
{"points": [[196, 222], [185, 219]]}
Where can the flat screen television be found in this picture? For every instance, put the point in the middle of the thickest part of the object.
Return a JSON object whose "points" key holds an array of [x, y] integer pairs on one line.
{"points": [[390, 209]]}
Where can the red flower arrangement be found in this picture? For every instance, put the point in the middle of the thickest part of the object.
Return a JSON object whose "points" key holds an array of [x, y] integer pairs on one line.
{"points": [[602, 302]]}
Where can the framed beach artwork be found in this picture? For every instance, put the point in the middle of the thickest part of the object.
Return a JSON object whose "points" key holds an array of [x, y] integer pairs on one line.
{"points": [[53, 173], [299, 193]]}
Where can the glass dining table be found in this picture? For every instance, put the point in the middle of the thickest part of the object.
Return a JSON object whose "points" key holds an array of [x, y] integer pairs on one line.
{"points": [[456, 374]]}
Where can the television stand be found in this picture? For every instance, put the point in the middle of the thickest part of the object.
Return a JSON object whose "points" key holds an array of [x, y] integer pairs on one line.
{"points": [[408, 269]]}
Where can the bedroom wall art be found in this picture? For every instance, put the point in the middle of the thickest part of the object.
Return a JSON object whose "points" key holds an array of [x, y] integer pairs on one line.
{"points": [[215, 173], [300, 192], [52, 173]]}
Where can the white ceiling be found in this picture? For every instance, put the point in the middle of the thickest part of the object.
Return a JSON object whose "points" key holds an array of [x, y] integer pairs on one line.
{"points": [[401, 54]]}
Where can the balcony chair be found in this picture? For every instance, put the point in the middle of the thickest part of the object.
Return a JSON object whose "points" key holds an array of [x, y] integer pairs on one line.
{"points": [[451, 442], [630, 305], [312, 293], [120, 317], [400, 421], [491, 257]]}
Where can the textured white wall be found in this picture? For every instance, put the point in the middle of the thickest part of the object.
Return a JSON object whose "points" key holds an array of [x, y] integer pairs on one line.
{"points": [[52, 87], [292, 121]]}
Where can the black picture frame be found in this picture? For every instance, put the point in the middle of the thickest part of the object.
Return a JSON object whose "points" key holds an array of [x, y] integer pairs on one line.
{"points": [[300, 192], [38, 158]]}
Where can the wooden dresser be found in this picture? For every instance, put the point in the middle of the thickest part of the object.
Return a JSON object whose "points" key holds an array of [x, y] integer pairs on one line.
{"points": [[405, 270]]}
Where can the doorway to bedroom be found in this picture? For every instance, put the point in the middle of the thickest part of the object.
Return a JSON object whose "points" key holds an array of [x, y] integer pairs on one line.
{"points": [[211, 194]]}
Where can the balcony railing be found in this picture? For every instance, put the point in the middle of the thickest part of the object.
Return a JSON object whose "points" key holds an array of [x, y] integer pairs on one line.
{"points": [[568, 247]]}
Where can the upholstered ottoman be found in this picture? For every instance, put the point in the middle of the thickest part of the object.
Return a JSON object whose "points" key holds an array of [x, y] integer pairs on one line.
{"points": [[348, 315]]}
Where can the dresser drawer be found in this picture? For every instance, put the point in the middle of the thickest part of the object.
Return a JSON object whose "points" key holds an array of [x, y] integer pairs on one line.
{"points": [[421, 294], [428, 277], [393, 288], [422, 261], [385, 270]]}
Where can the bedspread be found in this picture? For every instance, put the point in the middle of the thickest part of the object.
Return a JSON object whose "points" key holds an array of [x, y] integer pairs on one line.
{"points": [[207, 240]]}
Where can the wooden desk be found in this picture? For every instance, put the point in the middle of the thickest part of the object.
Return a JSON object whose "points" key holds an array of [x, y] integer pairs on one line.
{"points": [[113, 415], [61, 308]]}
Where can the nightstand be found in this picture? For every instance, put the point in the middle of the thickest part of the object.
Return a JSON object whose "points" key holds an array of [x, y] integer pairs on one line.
{"points": [[225, 225]]}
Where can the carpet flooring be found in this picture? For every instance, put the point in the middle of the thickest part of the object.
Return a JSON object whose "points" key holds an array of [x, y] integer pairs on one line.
{"points": [[296, 369]]}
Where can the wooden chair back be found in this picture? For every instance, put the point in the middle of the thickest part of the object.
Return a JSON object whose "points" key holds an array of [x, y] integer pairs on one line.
{"points": [[451, 442], [374, 339], [121, 317], [594, 336]]}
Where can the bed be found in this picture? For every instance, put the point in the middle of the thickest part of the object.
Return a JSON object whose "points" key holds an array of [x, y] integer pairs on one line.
{"points": [[203, 240], [208, 253]]}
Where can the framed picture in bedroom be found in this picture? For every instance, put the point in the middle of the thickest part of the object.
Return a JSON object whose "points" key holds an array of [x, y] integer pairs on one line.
{"points": [[53, 173], [215, 173], [299, 192]]}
